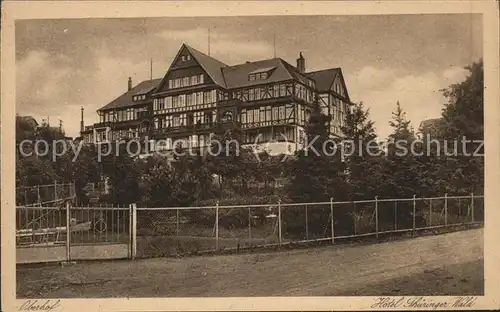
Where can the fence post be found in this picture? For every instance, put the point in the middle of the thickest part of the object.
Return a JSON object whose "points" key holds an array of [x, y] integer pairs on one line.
{"points": [[472, 207], [250, 224], [376, 216], [414, 212], [134, 231], [217, 225], [279, 222], [55, 192], [129, 229], [331, 220], [446, 209], [68, 232], [177, 223], [396, 215], [430, 212], [307, 226]]}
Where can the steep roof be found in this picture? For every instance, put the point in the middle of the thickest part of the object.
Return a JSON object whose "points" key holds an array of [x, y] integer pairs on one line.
{"points": [[125, 100], [211, 66], [324, 78], [237, 76], [430, 124]]}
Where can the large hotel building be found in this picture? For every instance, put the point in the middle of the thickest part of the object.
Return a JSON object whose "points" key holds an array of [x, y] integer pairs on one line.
{"points": [[269, 100]]}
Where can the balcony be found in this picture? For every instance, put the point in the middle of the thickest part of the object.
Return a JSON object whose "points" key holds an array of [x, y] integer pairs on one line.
{"points": [[196, 128]]}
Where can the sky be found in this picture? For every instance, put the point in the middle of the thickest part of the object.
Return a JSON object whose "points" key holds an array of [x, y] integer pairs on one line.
{"points": [[64, 64]]}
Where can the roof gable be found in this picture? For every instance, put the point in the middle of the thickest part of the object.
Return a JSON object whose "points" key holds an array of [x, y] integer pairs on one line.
{"points": [[324, 78], [340, 78], [211, 66]]}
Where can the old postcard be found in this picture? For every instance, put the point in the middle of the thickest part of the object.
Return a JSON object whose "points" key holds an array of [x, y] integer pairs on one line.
{"points": [[239, 155]]}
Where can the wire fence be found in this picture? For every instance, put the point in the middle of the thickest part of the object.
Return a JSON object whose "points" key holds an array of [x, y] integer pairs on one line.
{"points": [[48, 195], [49, 226], [173, 231]]}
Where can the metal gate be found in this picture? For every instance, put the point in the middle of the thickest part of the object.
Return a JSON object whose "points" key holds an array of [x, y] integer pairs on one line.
{"points": [[48, 234]]}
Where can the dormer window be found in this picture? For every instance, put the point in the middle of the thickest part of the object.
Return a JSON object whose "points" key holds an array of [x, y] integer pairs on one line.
{"points": [[261, 73], [139, 97], [185, 57]]}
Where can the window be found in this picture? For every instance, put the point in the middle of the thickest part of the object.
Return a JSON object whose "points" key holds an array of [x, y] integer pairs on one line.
{"points": [[170, 84], [250, 116], [251, 77], [168, 103], [194, 80], [189, 119], [200, 78], [258, 93], [186, 81], [188, 57], [199, 98], [282, 90], [189, 99], [282, 112], [251, 94], [176, 121], [268, 113], [275, 113], [243, 116], [256, 115], [262, 114], [276, 90], [175, 101], [208, 117], [182, 100]]}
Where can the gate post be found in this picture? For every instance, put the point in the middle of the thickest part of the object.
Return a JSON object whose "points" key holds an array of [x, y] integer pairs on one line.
{"points": [[279, 222], [472, 207], [68, 232], [414, 213], [376, 217], [445, 209], [331, 220], [217, 225], [134, 230]]}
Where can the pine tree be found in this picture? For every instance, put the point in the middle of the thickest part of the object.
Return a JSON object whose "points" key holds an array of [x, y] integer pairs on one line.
{"points": [[317, 174], [463, 118], [363, 154], [402, 168]]}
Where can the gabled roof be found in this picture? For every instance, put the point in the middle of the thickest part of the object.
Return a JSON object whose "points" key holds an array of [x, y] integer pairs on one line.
{"points": [[324, 78], [211, 66], [430, 124], [125, 100], [237, 76]]}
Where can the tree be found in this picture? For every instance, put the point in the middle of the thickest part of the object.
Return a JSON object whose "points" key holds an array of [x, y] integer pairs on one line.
{"points": [[402, 168], [123, 172], [317, 172], [463, 120], [363, 157], [157, 183]]}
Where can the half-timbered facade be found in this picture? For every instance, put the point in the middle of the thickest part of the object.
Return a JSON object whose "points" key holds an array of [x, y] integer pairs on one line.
{"points": [[269, 100]]}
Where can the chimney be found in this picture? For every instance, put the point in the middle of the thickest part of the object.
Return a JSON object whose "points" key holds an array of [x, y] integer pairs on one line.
{"points": [[129, 83], [301, 64], [81, 121]]}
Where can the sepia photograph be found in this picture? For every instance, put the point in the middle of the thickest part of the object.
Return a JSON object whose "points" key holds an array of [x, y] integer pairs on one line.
{"points": [[267, 155]]}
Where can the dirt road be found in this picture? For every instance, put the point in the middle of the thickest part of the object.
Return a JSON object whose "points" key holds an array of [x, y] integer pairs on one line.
{"points": [[448, 264]]}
